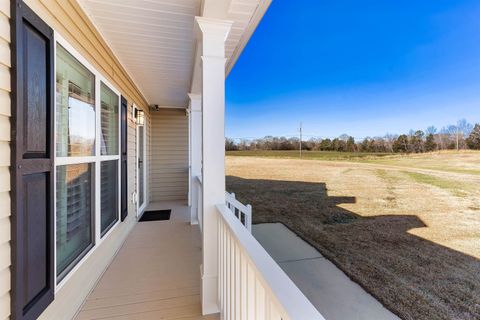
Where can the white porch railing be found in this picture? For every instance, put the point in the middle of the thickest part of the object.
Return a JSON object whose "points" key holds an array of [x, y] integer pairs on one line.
{"points": [[241, 211], [251, 284]]}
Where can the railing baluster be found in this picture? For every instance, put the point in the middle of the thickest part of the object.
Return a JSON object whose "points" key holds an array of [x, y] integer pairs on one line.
{"points": [[232, 280], [237, 282], [250, 292], [260, 300], [243, 286], [229, 278], [242, 212], [222, 263], [253, 287], [225, 277], [248, 218]]}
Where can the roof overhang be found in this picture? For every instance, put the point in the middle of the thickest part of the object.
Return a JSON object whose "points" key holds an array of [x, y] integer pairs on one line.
{"points": [[154, 40]]}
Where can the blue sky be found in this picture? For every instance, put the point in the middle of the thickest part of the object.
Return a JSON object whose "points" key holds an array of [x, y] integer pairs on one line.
{"points": [[359, 67]]}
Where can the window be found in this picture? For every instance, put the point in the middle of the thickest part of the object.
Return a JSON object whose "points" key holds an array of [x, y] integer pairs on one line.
{"points": [[87, 159], [109, 194], [75, 96], [109, 126], [74, 213], [109, 149]]}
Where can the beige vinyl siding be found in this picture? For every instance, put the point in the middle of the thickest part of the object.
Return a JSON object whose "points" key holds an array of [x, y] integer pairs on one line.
{"points": [[169, 168], [66, 18], [5, 206]]}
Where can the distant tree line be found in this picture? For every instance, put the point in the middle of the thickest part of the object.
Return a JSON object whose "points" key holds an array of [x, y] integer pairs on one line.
{"points": [[461, 136]]}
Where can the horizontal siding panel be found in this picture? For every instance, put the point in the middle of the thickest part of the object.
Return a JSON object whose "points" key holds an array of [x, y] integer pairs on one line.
{"points": [[167, 175], [4, 204], [179, 178], [4, 128], [176, 124], [5, 8], [5, 103], [158, 185], [4, 153], [173, 184], [4, 179], [166, 137], [172, 197], [5, 53], [5, 306], [4, 27], [174, 167], [4, 255], [169, 139], [178, 195], [164, 149], [5, 78], [175, 143], [180, 192], [168, 166], [5, 229], [5, 281], [172, 148], [171, 161], [168, 154]]}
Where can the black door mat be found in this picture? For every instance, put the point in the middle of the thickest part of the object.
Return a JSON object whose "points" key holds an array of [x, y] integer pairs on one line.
{"points": [[156, 215]]}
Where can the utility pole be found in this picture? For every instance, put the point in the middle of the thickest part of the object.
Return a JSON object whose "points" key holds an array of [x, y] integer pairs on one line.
{"points": [[300, 139], [457, 139]]}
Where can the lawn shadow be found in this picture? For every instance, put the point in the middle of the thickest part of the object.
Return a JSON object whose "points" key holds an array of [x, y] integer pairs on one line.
{"points": [[413, 277]]}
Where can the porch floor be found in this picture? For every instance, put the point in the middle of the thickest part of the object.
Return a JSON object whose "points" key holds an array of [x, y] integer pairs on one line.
{"points": [[155, 275]]}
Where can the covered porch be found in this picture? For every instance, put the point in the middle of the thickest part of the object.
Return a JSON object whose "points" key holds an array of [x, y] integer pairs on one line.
{"points": [[112, 67], [204, 261], [155, 274]]}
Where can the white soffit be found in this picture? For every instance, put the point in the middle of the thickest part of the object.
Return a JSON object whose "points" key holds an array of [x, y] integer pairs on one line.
{"points": [[246, 15], [155, 40]]}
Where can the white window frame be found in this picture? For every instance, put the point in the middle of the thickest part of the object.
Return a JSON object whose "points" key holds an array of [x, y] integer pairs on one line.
{"points": [[96, 160]]}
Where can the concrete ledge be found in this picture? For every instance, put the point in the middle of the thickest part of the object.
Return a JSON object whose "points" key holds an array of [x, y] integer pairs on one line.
{"points": [[330, 290]]}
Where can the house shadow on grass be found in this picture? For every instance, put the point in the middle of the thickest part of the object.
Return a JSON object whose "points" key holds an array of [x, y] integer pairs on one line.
{"points": [[413, 277]]}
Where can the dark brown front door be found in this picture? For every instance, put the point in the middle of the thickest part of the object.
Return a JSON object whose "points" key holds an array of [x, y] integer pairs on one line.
{"points": [[32, 163]]}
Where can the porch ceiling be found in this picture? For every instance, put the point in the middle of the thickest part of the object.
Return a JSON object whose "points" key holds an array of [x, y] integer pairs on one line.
{"points": [[154, 42], [154, 39]]}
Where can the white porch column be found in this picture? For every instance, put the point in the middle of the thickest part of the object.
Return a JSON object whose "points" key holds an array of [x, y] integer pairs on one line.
{"points": [[214, 33], [195, 124]]}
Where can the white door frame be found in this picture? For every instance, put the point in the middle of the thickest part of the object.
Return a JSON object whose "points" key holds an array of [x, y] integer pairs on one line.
{"points": [[141, 208]]}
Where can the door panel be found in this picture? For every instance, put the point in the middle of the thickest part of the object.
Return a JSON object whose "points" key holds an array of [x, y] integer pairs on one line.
{"points": [[35, 138], [32, 164], [35, 226]]}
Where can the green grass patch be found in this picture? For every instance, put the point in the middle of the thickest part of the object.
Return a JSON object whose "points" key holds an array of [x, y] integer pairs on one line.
{"points": [[387, 176], [455, 187]]}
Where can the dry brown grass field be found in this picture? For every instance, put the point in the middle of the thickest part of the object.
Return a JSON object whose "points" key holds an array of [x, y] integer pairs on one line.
{"points": [[406, 228]]}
